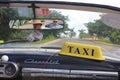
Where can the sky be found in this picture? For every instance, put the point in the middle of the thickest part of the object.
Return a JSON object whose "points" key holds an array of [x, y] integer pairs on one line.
{"points": [[79, 18]]}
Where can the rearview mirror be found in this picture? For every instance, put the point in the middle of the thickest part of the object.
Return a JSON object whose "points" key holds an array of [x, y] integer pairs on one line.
{"points": [[36, 24]]}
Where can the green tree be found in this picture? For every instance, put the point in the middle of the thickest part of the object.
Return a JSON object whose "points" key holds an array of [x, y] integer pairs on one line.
{"points": [[5, 15], [115, 36], [81, 33], [71, 33]]}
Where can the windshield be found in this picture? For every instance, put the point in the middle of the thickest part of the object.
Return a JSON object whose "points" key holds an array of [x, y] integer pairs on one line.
{"points": [[84, 27]]}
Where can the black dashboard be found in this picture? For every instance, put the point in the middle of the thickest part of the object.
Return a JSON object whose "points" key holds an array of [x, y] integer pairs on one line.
{"points": [[51, 66]]}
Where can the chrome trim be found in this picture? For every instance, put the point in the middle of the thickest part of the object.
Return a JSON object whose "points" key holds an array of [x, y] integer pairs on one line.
{"points": [[93, 72], [36, 72], [30, 50]]}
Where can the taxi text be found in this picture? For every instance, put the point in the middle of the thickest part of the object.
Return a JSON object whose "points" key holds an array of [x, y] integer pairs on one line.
{"points": [[82, 51]]}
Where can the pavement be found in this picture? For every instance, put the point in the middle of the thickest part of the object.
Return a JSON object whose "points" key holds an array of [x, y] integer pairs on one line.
{"points": [[51, 42]]}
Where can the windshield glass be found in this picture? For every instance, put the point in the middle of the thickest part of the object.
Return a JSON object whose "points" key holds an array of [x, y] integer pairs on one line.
{"points": [[84, 27]]}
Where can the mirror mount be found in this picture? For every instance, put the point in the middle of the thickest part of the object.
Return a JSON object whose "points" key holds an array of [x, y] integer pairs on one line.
{"points": [[33, 6]]}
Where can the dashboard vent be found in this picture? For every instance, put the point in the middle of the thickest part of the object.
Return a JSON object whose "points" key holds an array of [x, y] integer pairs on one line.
{"points": [[1, 65], [8, 69], [1, 70]]}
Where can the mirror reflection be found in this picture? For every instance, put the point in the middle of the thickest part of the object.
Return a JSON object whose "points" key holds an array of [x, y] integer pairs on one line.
{"points": [[36, 24]]}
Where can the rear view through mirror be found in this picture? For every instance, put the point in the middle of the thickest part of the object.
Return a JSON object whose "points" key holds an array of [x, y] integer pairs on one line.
{"points": [[36, 24]]}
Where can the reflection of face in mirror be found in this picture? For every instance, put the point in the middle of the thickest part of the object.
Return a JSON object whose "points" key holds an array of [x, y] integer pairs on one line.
{"points": [[37, 24], [55, 22], [54, 25]]}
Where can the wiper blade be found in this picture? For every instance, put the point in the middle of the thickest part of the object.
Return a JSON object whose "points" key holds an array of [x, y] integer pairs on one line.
{"points": [[51, 47]]}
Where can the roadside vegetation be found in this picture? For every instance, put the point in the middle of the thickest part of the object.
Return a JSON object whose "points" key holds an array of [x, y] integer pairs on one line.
{"points": [[50, 38], [104, 33]]}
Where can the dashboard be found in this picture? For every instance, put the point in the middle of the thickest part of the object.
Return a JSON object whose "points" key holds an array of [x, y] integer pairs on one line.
{"points": [[54, 66]]}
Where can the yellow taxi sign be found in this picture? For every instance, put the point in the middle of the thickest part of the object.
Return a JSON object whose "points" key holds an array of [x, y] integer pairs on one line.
{"points": [[82, 51], [1, 41]]}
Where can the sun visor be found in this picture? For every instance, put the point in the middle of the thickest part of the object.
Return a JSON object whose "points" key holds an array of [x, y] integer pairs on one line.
{"points": [[82, 51]]}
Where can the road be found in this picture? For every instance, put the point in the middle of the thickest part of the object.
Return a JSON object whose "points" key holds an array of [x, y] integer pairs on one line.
{"points": [[109, 50]]}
